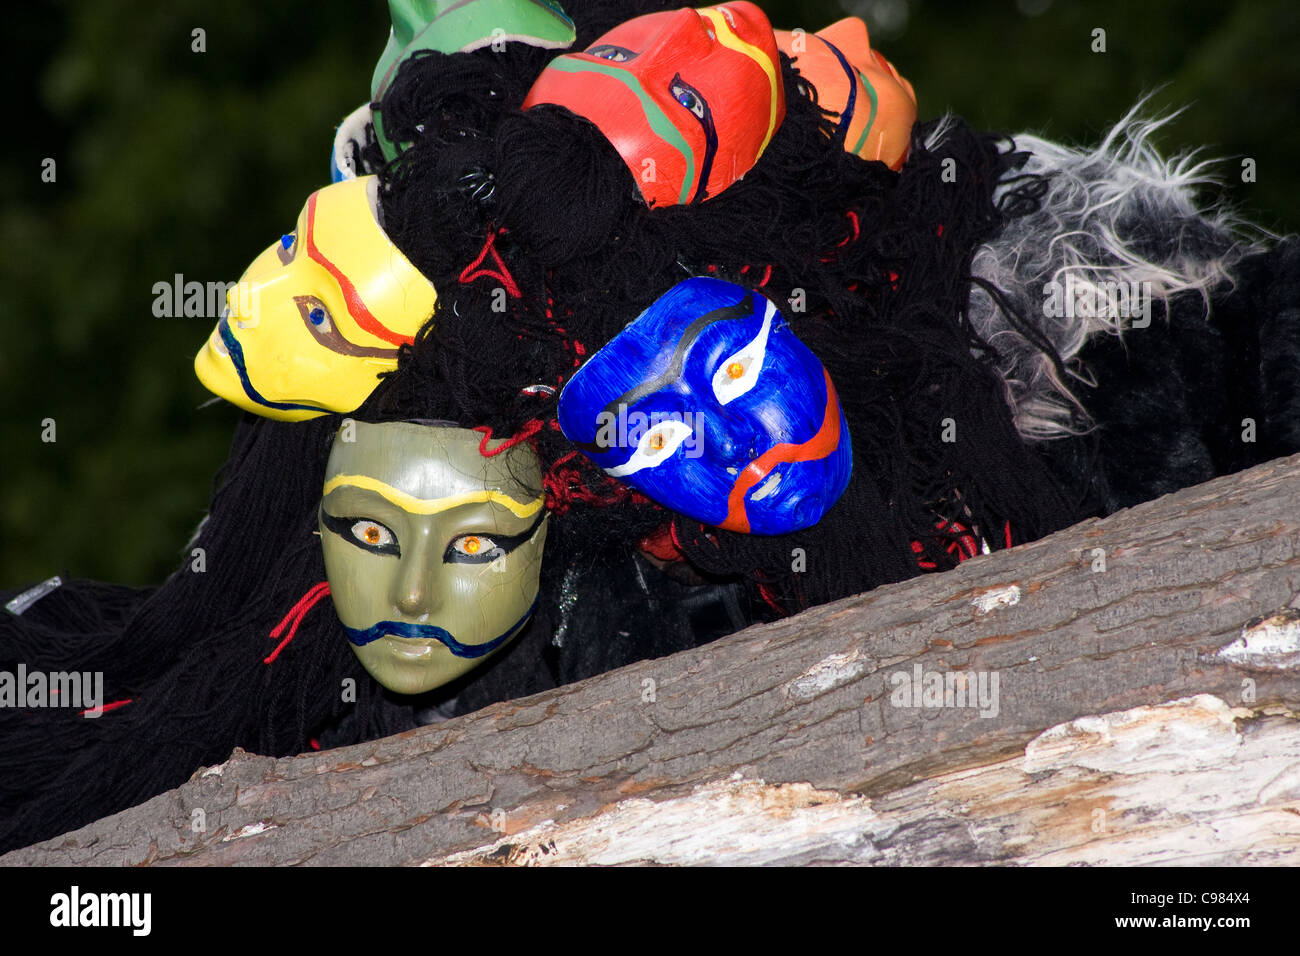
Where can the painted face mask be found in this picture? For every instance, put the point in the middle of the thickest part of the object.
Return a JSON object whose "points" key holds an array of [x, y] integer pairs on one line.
{"points": [[876, 106], [432, 549], [319, 315], [709, 405], [689, 98], [460, 26]]}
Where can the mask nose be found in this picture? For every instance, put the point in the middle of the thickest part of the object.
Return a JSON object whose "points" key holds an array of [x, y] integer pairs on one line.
{"points": [[729, 439], [416, 590], [266, 277], [240, 310], [686, 33], [415, 593]]}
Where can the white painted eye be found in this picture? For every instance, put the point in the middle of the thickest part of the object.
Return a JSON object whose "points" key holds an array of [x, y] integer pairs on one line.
{"points": [[319, 316], [738, 372], [656, 445], [372, 534], [473, 545]]}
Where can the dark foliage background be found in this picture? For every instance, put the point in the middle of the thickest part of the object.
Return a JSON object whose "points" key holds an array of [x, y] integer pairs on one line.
{"points": [[171, 161]]}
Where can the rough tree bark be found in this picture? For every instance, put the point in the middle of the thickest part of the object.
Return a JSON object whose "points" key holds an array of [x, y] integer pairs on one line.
{"points": [[1135, 690]]}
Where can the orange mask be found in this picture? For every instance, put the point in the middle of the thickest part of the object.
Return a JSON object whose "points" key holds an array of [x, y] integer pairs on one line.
{"points": [[876, 106]]}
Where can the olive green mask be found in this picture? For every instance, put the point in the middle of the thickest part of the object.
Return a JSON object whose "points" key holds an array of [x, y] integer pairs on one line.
{"points": [[432, 548]]}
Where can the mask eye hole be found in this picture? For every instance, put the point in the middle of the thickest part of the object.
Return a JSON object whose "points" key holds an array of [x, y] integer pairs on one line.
{"points": [[656, 446], [315, 314], [372, 534], [366, 533], [688, 97], [473, 549], [287, 247], [739, 372], [471, 544], [615, 54]]}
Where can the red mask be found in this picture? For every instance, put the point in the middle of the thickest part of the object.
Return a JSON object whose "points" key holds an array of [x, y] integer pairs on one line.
{"points": [[876, 106], [689, 98]]}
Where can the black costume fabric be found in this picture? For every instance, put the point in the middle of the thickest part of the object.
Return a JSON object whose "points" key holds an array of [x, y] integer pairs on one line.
{"points": [[532, 230], [1173, 412]]}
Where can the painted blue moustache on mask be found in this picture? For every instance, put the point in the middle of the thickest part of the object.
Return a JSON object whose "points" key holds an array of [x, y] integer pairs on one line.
{"points": [[708, 404], [431, 632]]}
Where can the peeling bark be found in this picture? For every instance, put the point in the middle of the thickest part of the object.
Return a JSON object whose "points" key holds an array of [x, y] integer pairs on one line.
{"points": [[1144, 713], [1099, 790]]}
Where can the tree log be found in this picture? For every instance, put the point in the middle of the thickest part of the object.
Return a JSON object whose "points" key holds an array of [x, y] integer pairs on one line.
{"points": [[1124, 691]]}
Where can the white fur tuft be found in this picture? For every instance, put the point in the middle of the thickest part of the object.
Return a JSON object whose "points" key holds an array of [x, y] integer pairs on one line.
{"points": [[1117, 213]]}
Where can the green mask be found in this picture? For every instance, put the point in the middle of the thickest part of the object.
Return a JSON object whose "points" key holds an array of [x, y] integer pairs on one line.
{"points": [[432, 549], [459, 26]]}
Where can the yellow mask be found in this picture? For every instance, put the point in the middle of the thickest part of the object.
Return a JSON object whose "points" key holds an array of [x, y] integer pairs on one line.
{"points": [[318, 316]]}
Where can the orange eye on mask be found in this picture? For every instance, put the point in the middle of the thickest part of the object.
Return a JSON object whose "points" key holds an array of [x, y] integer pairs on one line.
{"points": [[689, 98], [876, 106]]}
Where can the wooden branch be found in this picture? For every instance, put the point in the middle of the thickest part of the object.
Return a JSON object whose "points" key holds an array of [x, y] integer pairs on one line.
{"points": [[1130, 696]]}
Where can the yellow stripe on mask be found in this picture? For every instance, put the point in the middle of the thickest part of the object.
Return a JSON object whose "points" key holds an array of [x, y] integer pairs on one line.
{"points": [[432, 506], [727, 37]]}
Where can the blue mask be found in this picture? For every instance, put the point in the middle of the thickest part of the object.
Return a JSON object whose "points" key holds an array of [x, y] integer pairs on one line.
{"points": [[708, 404]]}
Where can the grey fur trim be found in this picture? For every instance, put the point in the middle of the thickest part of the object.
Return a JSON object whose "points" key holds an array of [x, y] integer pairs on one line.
{"points": [[1112, 216]]}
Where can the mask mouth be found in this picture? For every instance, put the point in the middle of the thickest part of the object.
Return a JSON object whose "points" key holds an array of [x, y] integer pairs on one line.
{"points": [[412, 648]]}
